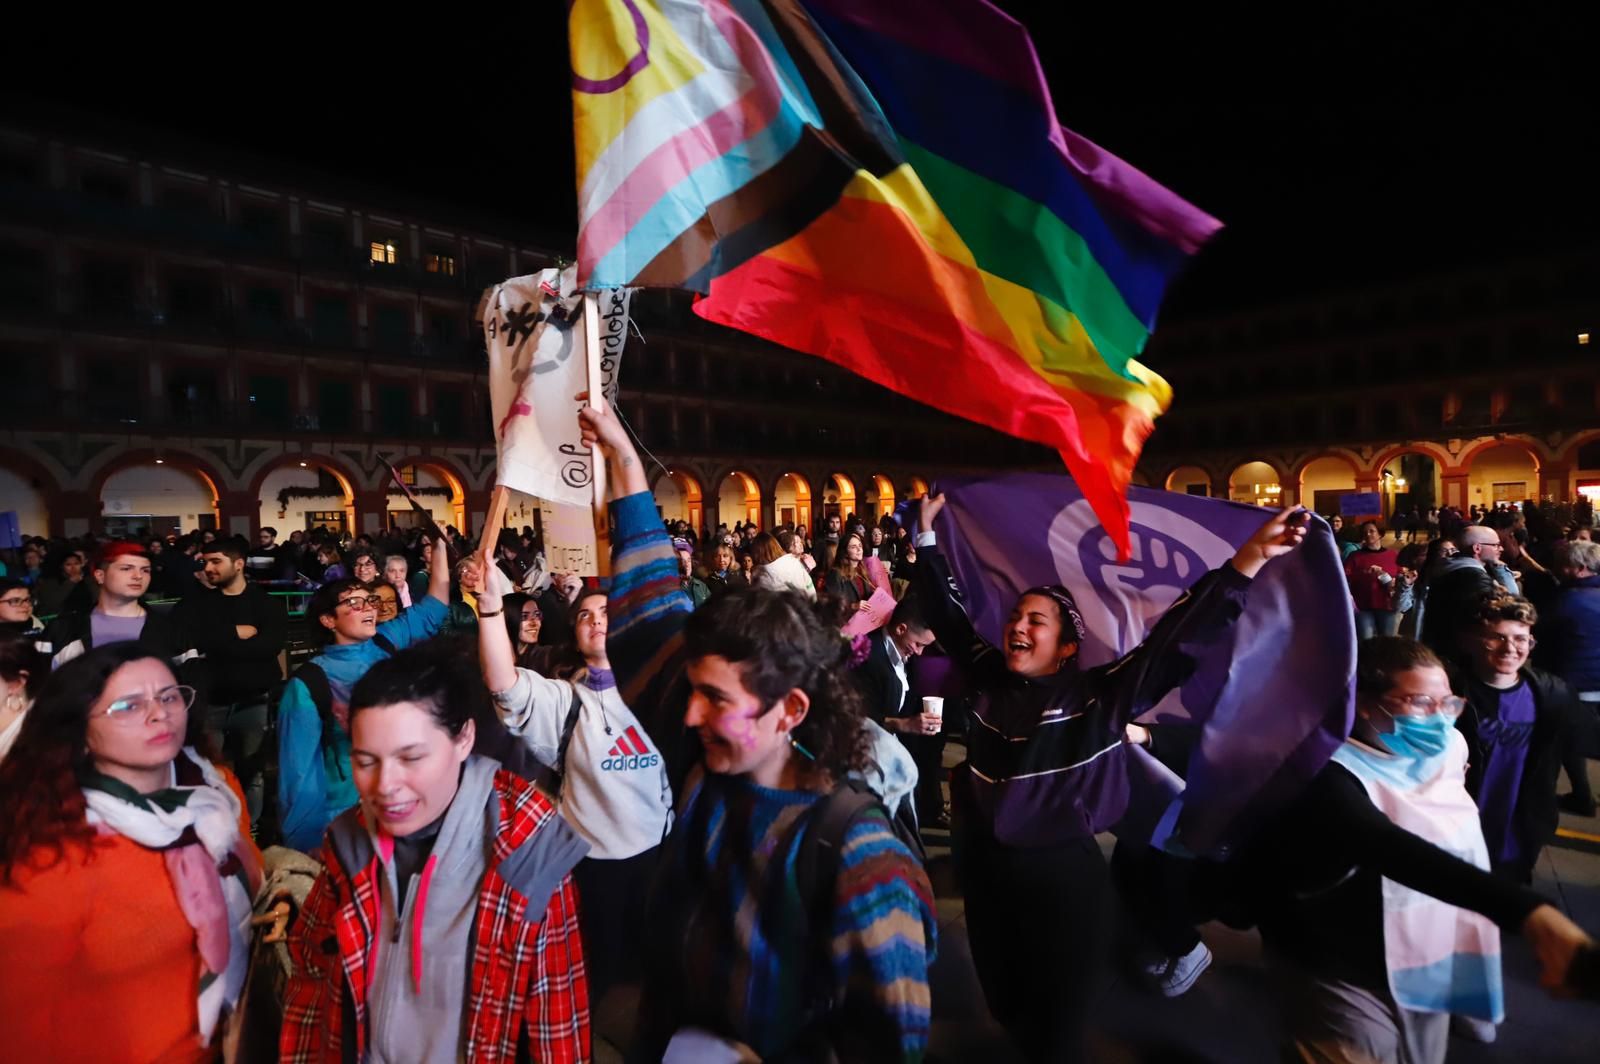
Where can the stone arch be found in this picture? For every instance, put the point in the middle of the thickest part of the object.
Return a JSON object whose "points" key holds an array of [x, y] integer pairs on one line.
{"points": [[918, 488], [1254, 481], [1528, 447], [680, 497], [1185, 477], [1489, 481], [1309, 480], [308, 460], [738, 498], [791, 499], [883, 495], [453, 478], [1440, 456], [210, 478], [840, 488], [42, 518]]}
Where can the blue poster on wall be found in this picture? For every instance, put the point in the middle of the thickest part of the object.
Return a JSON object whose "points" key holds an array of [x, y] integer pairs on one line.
{"points": [[10, 530], [1353, 504]]}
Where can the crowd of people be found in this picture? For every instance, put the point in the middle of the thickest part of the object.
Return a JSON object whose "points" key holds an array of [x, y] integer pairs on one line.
{"points": [[452, 800]]}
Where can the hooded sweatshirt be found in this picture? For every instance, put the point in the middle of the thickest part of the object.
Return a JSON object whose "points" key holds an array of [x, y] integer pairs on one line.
{"points": [[417, 998]]}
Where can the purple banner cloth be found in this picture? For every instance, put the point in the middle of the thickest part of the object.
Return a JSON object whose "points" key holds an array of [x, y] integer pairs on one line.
{"points": [[1273, 702]]}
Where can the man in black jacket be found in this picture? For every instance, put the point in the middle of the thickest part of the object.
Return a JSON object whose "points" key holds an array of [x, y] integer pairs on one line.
{"points": [[240, 630], [1454, 592], [886, 686]]}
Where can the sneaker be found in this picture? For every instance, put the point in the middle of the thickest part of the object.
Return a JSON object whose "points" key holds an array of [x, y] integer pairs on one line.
{"points": [[1569, 803], [1174, 976], [1473, 1029]]}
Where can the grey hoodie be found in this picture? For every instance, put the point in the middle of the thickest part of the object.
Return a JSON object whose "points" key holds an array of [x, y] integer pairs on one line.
{"points": [[416, 1005]]}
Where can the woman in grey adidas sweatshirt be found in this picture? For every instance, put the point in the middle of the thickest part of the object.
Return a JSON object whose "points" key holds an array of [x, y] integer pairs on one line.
{"points": [[613, 785]]}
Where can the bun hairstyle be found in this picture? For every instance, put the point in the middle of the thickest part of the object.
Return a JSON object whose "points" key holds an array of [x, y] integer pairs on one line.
{"points": [[440, 674], [779, 642]]}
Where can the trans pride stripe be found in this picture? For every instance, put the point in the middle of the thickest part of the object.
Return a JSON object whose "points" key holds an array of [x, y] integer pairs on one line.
{"points": [[883, 183]]}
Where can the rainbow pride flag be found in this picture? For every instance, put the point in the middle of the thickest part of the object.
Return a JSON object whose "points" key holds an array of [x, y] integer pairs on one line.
{"points": [[884, 184]]}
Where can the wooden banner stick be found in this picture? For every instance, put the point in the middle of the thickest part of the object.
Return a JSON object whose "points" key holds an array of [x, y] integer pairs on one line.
{"points": [[591, 351], [492, 521]]}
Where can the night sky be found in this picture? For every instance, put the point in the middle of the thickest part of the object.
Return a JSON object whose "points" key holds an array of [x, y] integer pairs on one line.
{"points": [[1358, 147]]}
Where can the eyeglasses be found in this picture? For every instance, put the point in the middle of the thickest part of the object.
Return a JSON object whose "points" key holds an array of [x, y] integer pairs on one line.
{"points": [[172, 700], [1424, 705], [360, 602], [17, 603], [1521, 642]]}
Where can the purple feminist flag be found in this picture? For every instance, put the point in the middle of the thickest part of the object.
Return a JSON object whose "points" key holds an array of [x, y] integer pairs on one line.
{"points": [[1273, 702]]}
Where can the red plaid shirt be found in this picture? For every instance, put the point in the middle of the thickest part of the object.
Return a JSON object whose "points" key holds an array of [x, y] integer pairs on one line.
{"points": [[527, 968]]}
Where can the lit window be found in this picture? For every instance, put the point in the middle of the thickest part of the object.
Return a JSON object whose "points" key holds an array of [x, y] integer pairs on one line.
{"points": [[1583, 338], [383, 252], [445, 264], [408, 476]]}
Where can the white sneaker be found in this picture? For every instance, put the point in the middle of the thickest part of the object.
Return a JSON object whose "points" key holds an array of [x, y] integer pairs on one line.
{"points": [[1473, 1029], [1175, 976]]}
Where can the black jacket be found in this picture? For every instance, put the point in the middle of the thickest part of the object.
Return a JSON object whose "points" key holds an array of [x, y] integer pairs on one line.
{"points": [[879, 685], [161, 635], [236, 670], [1555, 724]]}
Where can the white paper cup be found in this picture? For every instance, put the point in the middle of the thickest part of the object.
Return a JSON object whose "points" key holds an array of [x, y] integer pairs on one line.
{"points": [[933, 706]]}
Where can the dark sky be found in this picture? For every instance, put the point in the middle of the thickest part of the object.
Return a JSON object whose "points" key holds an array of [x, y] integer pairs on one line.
{"points": [[1338, 147]]}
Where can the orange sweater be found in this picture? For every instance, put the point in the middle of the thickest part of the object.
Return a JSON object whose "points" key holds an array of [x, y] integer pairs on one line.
{"points": [[97, 961]]}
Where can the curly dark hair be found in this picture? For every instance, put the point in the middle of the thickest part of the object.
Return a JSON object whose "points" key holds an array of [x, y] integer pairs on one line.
{"points": [[41, 803], [1498, 606], [779, 642]]}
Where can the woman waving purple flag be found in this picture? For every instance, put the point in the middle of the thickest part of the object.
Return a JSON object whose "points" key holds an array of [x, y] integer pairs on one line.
{"points": [[1049, 747]]}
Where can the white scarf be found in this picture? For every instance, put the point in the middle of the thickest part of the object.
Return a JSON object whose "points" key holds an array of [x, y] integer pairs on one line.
{"points": [[217, 906]]}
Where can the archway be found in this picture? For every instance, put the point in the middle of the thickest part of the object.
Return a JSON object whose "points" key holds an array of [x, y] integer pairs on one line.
{"points": [[1584, 457], [1324, 480], [1189, 480], [1255, 482], [1505, 472], [839, 496], [739, 499], [436, 486], [155, 499], [24, 495], [791, 500], [303, 492], [679, 498], [919, 488], [883, 499], [1409, 481]]}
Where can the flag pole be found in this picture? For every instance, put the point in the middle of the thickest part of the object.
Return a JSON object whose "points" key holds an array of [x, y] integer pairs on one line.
{"points": [[591, 352]]}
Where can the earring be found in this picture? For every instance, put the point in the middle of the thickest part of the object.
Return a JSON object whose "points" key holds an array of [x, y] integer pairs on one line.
{"points": [[809, 756]]}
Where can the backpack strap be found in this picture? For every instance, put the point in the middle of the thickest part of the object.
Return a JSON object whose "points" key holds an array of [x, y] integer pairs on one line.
{"points": [[316, 683], [385, 643], [568, 726]]}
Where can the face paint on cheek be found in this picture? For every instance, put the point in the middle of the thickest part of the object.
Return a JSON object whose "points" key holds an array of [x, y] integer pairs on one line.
{"points": [[740, 730]]}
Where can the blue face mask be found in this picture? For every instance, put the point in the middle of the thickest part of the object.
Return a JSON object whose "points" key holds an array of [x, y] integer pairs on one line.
{"points": [[1419, 738]]}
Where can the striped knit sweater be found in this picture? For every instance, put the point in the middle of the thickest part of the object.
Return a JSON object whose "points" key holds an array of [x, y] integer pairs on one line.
{"points": [[647, 610], [743, 959], [883, 934]]}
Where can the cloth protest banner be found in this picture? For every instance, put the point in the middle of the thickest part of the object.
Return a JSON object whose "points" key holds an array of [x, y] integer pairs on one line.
{"points": [[1273, 701], [534, 329]]}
